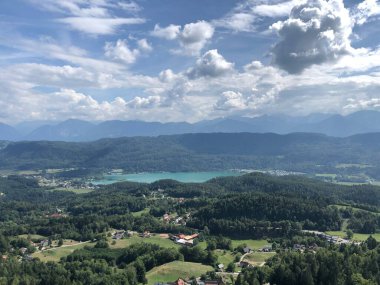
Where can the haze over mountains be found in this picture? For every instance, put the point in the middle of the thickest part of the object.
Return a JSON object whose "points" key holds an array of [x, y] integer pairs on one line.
{"points": [[78, 130]]}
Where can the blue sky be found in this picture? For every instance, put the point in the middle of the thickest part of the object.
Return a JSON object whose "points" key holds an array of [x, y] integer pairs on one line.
{"points": [[180, 60]]}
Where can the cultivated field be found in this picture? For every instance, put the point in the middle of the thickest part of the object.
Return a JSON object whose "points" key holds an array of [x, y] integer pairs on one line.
{"points": [[174, 270]]}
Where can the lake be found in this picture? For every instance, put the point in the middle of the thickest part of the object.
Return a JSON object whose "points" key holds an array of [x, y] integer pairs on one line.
{"points": [[149, 177]]}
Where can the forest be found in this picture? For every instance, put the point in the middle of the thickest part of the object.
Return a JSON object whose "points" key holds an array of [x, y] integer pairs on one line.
{"points": [[300, 152], [254, 206]]}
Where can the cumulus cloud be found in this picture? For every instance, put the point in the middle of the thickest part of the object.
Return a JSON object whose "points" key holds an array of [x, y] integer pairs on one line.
{"points": [[254, 65], [192, 37], [167, 75], [211, 64], [230, 100], [316, 32], [144, 102], [170, 32], [121, 51], [144, 45], [366, 10]]}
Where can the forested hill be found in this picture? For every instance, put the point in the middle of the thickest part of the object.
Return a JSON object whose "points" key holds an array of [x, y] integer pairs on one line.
{"points": [[195, 152]]}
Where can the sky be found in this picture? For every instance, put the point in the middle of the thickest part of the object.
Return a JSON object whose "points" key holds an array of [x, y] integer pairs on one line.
{"points": [[182, 60]]}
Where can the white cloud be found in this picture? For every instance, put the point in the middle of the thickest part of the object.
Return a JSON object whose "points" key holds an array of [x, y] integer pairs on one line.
{"points": [[362, 104], [144, 45], [254, 65], [167, 75], [170, 32], [144, 102], [247, 13], [121, 51], [276, 10], [94, 17], [99, 26], [238, 22], [192, 37], [230, 100], [211, 64], [366, 10], [130, 6], [316, 32]]}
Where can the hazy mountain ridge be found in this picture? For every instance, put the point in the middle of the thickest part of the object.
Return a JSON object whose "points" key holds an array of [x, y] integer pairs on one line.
{"points": [[79, 130], [303, 152]]}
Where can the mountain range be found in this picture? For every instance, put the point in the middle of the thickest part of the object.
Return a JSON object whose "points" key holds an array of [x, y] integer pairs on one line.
{"points": [[78, 130], [300, 152]]}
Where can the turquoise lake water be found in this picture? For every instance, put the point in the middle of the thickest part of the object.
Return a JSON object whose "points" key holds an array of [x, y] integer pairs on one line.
{"points": [[149, 177]]}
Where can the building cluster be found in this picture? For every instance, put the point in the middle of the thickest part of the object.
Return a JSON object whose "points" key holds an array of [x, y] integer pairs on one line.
{"points": [[175, 219], [191, 282], [331, 238], [187, 240]]}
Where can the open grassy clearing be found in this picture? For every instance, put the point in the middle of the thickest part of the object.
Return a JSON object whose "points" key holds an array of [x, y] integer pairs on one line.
{"points": [[32, 237], [357, 237], [225, 257], [55, 254], [140, 213], [163, 242], [258, 258], [174, 270], [355, 209], [253, 244]]}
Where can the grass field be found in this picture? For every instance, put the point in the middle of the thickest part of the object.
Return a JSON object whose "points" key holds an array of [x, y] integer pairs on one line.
{"points": [[225, 257], [354, 209], [33, 237], [253, 244], [357, 237], [163, 242], [55, 254], [258, 258], [174, 270], [140, 213]]}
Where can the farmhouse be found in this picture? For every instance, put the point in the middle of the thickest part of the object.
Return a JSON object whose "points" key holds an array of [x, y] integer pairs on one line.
{"points": [[118, 235]]}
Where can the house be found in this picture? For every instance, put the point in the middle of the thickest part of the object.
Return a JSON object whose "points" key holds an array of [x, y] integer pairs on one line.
{"points": [[184, 242], [247, 249], [118, 235], [44, 243], [178, 220], [166, 218], [23, 250], [221, 266], [57, 216], [267, 248], [145, 234], [188, 237], [300, 247], [244, 264]]}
